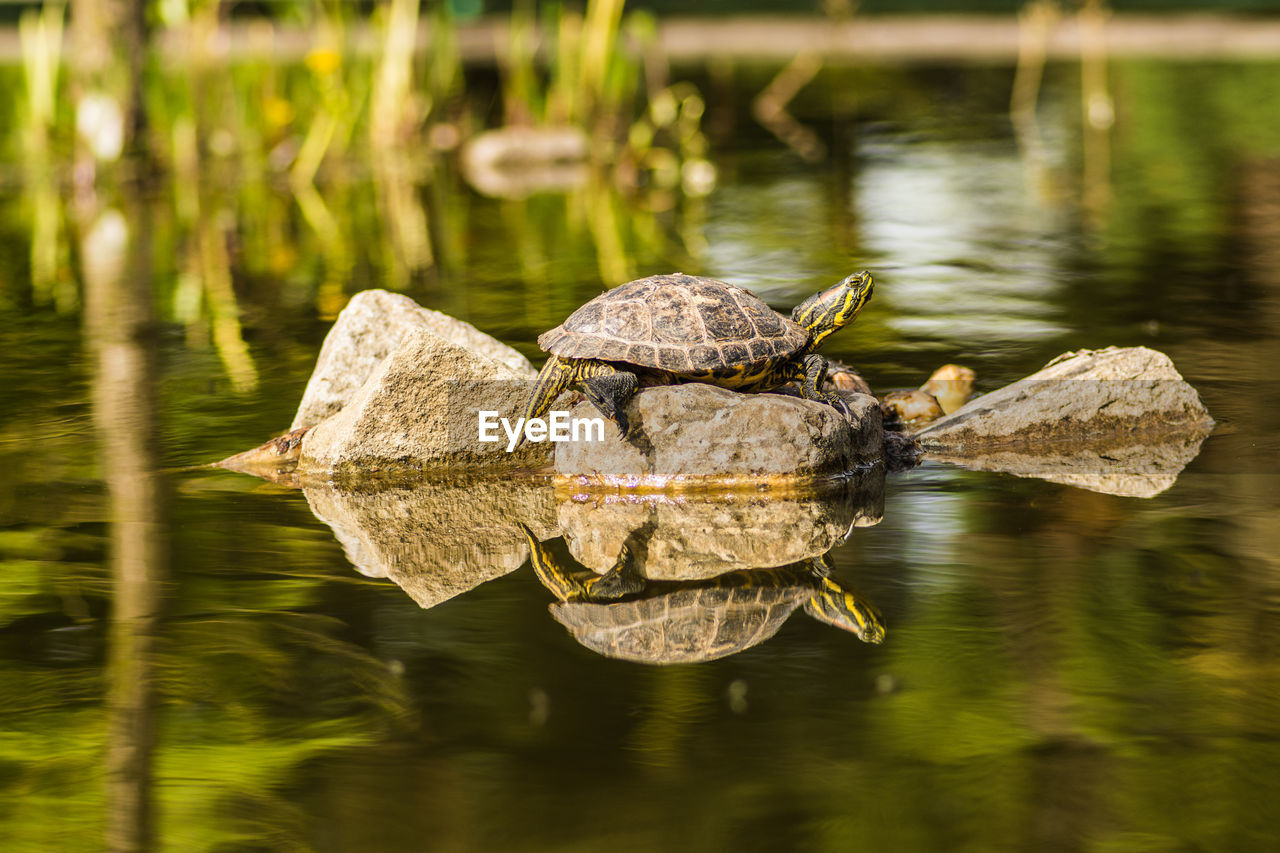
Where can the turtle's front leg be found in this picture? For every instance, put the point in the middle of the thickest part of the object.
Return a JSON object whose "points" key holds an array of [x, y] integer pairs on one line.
{"points": [[814, 374], [609, 390]]}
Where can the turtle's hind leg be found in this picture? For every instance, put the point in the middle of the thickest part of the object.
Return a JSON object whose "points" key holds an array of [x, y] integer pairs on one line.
{"points": [[609, 390]]}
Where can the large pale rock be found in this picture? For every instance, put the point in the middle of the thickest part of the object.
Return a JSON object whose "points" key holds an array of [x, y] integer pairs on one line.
{"points": [[370, 328], [1099, 397], [695, 434], [437, 539], [695, 537], [419, 410]]}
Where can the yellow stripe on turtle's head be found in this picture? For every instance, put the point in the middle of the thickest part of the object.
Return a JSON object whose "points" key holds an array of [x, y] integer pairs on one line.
{"points": [[840, 608], [835, 307]]}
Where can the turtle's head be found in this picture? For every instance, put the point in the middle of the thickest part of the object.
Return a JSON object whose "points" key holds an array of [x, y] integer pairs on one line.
{"points": [[833, 308], [840, 608]]}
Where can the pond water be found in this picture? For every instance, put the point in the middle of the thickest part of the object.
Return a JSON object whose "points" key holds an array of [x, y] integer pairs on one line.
{"points": [[1061, 669]]}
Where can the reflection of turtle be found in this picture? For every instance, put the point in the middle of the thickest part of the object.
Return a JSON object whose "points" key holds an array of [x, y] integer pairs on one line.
{"points": [[620, 615], [680, 328]]}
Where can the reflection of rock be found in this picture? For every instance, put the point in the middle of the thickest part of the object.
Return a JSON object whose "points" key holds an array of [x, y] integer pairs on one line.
{"points": [[1121, 421], [515, 162], [702, 536], [1083, 396], [419, 410], [437, 540], [684, 435], [371, 327], [1135, 470]]}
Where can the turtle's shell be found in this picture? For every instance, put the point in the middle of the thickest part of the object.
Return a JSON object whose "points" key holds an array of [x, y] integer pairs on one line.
{"points": [[689, 623], [678, 323]]}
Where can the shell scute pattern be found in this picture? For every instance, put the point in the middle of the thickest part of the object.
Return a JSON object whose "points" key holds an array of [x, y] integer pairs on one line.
{"points": [[691, 624], [677, 323]]}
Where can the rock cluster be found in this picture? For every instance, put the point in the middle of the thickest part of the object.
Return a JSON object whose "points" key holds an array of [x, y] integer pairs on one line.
{"points": [[399, 390]]}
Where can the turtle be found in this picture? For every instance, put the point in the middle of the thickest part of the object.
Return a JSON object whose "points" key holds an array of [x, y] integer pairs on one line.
{"points": [[622, 615], [667, 329]]}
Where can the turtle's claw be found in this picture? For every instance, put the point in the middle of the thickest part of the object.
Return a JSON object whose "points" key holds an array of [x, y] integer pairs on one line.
{"points": [[624, 425], [837, 402]]}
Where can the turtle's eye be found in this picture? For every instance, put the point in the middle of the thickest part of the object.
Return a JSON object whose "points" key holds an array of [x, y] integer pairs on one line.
{"points": [[857, 290]]}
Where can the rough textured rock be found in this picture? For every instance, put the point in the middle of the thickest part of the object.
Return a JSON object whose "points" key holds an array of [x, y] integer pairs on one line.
{"points": [[701, 537], [418, 410], [1098, 397], [437, 540], [1140, 470], [370, 328], [685, 435]]}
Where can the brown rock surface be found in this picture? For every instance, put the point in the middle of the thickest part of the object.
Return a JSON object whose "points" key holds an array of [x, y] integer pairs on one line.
{"points": [[912, 407], [1107, 395], [951, 385], [1119, 421], [685, 435], [419, 410]]}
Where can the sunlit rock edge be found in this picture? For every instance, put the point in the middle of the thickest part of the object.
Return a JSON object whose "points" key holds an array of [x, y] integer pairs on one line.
{"points": [[372, 326]]}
